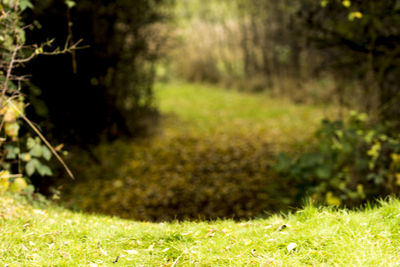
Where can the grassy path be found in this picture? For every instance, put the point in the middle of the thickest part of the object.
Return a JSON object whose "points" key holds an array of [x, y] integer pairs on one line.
{"points": [[207, 110], [216, 146]]}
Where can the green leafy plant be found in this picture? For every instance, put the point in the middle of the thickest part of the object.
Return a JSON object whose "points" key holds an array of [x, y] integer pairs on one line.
{"points": [[352, 161], [21, 155]]}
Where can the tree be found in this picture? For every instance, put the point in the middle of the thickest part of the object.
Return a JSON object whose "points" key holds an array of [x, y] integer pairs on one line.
{"points": [[361, 39], [104, 90]]}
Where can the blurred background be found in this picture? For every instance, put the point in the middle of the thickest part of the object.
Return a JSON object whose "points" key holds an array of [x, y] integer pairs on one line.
{"points": [[205, 109]]}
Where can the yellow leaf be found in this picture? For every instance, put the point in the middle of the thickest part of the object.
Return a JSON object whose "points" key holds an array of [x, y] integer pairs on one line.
{"points": [[18, 185], [12, 129], [346, 3], [291, 247], [26, 157], [355, 15], [4, 182], [332, 200], [397, 179]]}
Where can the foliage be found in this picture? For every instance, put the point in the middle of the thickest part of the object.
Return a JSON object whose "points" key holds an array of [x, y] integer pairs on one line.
{"points": [[33, 236], [360, 41], [352, 162], [21, 155]]}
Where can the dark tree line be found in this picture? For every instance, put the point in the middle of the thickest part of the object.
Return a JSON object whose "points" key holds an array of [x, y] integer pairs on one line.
{"points": [[103, 90], [365, 49]]}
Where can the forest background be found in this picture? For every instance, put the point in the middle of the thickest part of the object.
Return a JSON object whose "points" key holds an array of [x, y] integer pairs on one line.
{"points": [[98, 89]]}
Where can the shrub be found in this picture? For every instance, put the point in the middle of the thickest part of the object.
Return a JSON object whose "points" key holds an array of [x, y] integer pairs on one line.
{"points": [[21, 156], [352, 161]]}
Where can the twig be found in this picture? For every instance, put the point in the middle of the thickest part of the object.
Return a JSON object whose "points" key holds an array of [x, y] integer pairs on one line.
{"points": [[9, 70], [66, 49], [43, 139], [11, 176]]}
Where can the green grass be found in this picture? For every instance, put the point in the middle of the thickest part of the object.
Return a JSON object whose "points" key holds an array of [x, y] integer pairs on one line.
{"points": [[208, 110], [31, 236]]}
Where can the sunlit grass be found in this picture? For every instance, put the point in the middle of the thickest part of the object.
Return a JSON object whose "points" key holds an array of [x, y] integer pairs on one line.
{"points": [[209, 110], [53, 236]]}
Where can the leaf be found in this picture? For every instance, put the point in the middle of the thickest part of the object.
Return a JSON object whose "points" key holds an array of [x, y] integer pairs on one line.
{"points": [[324, 3], [280, 228], [11, 152], [332, 200], [70, 3], [18, 185], [353, 16], [36, 151], [30, 168], [24, 4], [44, 170], [291, 247], [46, 153], [346, 3], [12, 129], [25, 157], [4, 184], [30, 143]]}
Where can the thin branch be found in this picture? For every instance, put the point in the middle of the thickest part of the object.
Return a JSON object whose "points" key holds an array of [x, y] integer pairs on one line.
{"points": [[37, 131], [9, 70], [66, 49]]}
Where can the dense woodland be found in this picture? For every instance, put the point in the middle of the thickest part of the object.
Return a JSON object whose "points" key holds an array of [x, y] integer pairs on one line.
{"points": [[84, 74]]}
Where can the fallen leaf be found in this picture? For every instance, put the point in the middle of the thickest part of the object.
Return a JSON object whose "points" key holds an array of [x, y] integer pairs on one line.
{"points": [[280, 228], [211, 232], [291, 247]]}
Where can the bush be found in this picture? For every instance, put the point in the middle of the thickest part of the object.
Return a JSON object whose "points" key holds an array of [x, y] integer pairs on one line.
{"points": [[20, 155], [352, 162], [180, 178]]}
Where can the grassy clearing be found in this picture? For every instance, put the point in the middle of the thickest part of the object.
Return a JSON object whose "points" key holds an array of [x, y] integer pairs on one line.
{"points": [[31, 236], [212, 159], [206, 110]]}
